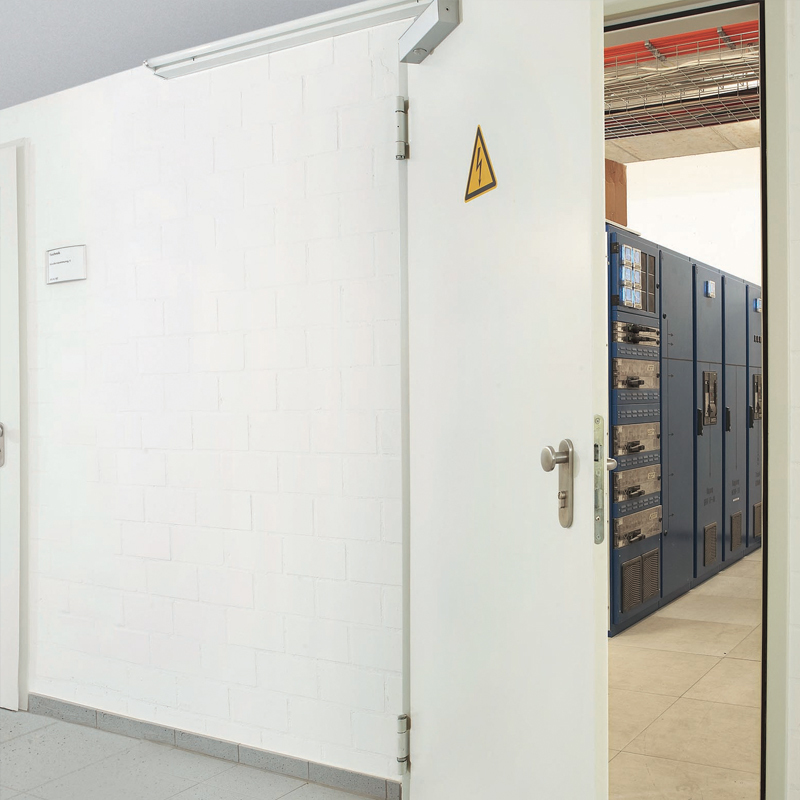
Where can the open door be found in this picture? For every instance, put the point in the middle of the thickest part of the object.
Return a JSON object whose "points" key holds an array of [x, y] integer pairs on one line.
{"points": [[9, 432], [507, 331]]}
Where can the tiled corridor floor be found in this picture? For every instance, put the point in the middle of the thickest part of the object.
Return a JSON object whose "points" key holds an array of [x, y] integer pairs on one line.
{"points": [[46, 759], [685, 695]]}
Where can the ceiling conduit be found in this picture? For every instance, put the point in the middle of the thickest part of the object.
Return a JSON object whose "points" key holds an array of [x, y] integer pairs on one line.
{"points": [[694, 80]]}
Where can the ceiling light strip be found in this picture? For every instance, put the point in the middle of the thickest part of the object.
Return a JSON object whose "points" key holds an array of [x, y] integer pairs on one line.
{"points": [[281, 37]]}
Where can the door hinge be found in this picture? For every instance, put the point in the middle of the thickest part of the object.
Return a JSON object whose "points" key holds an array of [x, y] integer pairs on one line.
{"points": [[401, 127], [403, 736]]}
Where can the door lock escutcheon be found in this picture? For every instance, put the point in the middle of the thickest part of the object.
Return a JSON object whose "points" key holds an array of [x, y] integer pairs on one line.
{"points": [[564, 458]]}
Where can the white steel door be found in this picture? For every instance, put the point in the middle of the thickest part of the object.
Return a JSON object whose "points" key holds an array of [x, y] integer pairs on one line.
{"points": [[506, 352], [10, 420]]}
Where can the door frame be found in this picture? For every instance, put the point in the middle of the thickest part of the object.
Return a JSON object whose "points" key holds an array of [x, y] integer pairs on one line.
{"points": [[12, 259], [775, 270]]}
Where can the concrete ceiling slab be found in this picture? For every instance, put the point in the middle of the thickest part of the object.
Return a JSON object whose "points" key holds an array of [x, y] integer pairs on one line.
{"points": [[655, 146], [50, 45]]}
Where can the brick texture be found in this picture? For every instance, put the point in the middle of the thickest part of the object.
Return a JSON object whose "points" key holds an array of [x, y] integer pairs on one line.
{"points": [[213, 415]]}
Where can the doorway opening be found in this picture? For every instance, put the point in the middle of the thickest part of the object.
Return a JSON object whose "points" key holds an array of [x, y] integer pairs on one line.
{"points": [[684, 208]]}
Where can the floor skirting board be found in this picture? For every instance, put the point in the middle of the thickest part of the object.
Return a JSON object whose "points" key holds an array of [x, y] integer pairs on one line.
{"points": [[356, 782]]}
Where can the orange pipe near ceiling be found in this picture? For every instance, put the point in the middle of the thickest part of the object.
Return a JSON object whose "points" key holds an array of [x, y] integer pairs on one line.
{"points": [[680, 44]]}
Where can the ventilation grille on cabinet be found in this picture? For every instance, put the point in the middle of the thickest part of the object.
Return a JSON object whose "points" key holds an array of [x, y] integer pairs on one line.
{"points": [[650, 575], [710, 544], [757, 520], [640, 580], [631, 584]]}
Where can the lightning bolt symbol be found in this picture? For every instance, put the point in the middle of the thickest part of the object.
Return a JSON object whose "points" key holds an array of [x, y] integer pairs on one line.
{"points": [[479, 167]]}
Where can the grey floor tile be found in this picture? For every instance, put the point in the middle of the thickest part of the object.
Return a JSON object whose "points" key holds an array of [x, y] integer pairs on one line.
{"points": [[347, 781], [18, 723], [54, 751], [312, 791], [7, 794], [205, 791], [172, 761], [254, 782], [114, 778]]}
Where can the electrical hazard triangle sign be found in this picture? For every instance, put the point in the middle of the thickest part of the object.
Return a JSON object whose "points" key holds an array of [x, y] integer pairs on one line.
{"points": [[481, 173]]}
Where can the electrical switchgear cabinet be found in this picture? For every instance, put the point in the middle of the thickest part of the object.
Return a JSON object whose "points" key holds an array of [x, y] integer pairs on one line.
{"points": [[755, 413], [635, 427], [734, 404], [677, 286], [686, 408], [677, 422], [708, 422], [678, 481]]}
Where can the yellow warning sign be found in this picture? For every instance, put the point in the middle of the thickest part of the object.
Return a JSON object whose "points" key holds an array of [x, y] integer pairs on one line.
{"points": [[481, 174]]}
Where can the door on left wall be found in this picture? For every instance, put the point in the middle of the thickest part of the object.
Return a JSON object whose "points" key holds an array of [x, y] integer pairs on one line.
{"points": [[10, 422]]}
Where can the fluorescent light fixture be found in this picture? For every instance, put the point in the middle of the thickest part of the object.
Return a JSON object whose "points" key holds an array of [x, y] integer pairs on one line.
{"points": [[289, 34]]}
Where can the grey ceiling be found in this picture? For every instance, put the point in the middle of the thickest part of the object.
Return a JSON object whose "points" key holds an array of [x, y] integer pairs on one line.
{"points": [[50, 45]]}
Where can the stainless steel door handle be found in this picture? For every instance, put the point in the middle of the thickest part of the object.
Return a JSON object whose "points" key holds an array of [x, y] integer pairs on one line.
{"points": [[2, 445], [611, 464], [564, 457]]}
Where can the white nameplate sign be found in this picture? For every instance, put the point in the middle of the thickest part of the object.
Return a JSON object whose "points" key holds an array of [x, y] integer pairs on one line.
{"points": [[66, 264]]}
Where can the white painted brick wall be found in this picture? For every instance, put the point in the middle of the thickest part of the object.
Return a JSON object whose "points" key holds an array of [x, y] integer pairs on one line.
{"points": [[214, 414]]}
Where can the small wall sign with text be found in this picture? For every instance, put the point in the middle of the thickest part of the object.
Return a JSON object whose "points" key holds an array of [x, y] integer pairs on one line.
{"points": [[66, 264], [481, 173]]}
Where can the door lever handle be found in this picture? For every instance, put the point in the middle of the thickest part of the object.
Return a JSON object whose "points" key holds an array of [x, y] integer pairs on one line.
{"points": [[564, 457], [550, 458], [2, 445]]}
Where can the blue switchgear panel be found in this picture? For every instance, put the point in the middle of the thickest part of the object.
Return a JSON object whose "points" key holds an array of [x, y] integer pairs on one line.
{"points": [[677, 423], [635, 427], [708, 422], [686, 408], [677, 299], [755, 413], [734, 406]]}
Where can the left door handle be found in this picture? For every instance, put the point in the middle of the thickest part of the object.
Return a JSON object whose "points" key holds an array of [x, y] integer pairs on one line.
{"points": [[564, 458], [2, 445]]}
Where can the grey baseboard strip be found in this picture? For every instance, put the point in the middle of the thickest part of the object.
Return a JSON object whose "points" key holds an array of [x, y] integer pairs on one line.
{"points": [[355, 782]]}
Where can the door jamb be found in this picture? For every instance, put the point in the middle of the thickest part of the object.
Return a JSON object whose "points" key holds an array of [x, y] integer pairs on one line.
{"points": [[775, 241], [13, 412]]}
